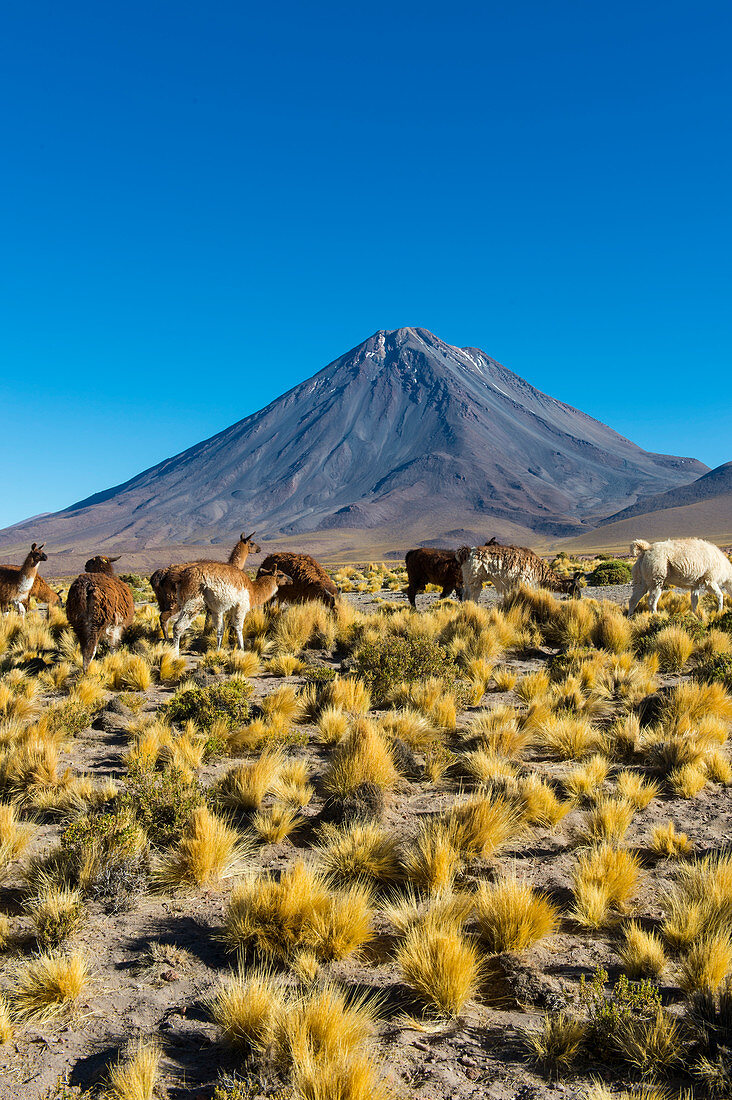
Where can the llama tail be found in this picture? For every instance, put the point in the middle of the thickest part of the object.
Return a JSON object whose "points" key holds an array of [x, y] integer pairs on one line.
{"points": [[639, 546]]}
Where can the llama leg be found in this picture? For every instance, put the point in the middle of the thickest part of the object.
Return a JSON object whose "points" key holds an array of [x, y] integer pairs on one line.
{"points": [[412, 594], [654, 595], [89, 650], [714, 587], [239, 616], [114, 635], [696, 593], [19, 607], [184, 620], [217, 619], [165, 617], [635, 598]]}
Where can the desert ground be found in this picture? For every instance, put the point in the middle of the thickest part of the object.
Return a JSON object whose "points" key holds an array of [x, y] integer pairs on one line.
{"points": [[464, 851]]}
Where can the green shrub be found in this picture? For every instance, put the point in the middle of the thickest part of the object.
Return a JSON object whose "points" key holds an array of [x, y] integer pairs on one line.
{"points": [[611, 571], [716, 670], [318, 674], [227, 702], [393, 658], [724, 622], [160, 802]]}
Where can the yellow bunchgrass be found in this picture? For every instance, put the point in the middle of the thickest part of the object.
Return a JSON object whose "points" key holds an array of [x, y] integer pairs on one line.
{"points": [[642, 953], [558, 1043], [292, 785], [249, 1007], [276, 822], [533, 687], [363, 756], [674, 647], [665, 841], [718, 767], [636, 790], [15, 835], [540, 803], [6, 1022], [283, 703], [55, 913], [707, 964], [349, 694], [360, 851], [277, 919], [585, 782], [505, 679], [701, 901], [482, 825], [612, 630], [448, 910], [608, 820], [485, 768], [135, 1076], [336, 1076], [170, 669], [124, 671], [604, 879], [512, 916], [688, 780], [49, 985], [432, 860], [499, 731], [689, 702], [568, 738], [332, 725], [245, 786], [326, 1023], [442, 966], [284, 664], [410, 726], [209, 851]]}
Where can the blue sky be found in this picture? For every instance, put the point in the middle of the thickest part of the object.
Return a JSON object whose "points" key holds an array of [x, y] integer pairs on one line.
{"points": [[204, 204]]}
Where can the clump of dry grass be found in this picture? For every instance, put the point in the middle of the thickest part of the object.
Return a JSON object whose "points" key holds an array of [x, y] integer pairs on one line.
{"points": [[612, 630], [283, 704], [505, 679], [332, 725], [411, 727], [701, 902], [349, 693], [533, 687], [170, 669], [55, 914], [279, 919], [443, 967], [674, 647], [585, 782], [718, 767], [557, 1045], [360, 851], [687, 781], [363, 756], [277, 822], [637, 790], [448, 910], [540, 803], [608, 820], [49, 985], [665, 841], [244, 787], [284, 664], [432, 861], [482, 825], [6, 1023], [604, 878], [327, 1023], [511, 915], [135, 1077], [485, 767], [642, 953], [15, 835], [500, 731], [248, 1006], [567, 737], [209, 851], [707, 963]]}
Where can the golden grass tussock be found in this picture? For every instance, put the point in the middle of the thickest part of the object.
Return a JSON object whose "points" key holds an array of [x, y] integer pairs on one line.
{"points": [[209, 851], [690, 702], [170, 669], [249, 1006], [335, 1077], [349, 694], [55, 914], [442, 966], [603, 880], [328, 1022], [567, 737], [512, 916], [276, 822], [505, 679], [404, 910], [410, 726], [700, 902], [136, 1075], [636, 789], [540, 804], [245, 786], [49, 985], [432, 861], [6, 1022], [612, 630], [718, 767], [665, 841], [688, 780], [332, 725], [642, 953], [557, 1044], [533, 687], [485, 767], [674, 647], [482, 826], [360, 851], [608, 820], [500, 731], [284, 664], [585, 782], [15, 835], [363, 756], [284, 703], [277, 919], [707, 964]]}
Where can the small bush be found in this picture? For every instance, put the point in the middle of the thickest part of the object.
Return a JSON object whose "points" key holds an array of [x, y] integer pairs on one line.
{"points": [[227, 702], [386, 661], [160, 802], [610, 572]]}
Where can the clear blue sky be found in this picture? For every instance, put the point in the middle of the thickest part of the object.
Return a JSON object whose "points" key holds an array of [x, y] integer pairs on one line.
{"points": [[203, 204]]}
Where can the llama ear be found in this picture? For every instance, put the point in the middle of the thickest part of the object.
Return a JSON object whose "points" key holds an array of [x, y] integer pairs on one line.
{"points": [[246, 538], [33, 546], [41, 546], [115, 559]]}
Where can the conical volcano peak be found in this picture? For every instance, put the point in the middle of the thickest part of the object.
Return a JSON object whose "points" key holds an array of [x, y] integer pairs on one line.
{"points": [[403, 435]]}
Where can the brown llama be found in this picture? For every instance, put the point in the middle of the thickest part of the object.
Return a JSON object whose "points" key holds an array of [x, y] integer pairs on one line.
{"points": [[222, 588], [16, 581], [99, 605], [309, 580]]}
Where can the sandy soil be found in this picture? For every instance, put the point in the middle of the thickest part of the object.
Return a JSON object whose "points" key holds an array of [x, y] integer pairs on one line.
{"points": [[480, 1055]]}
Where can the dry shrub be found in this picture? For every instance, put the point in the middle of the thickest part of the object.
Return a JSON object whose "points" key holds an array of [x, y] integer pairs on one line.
{"points": [[443, 967], [432, 861], [278, 919], [642, 953], [209, 851], [49, 985], [363, 756], [361, 851], [512, 916], [135, 1077], [248, 1006]]}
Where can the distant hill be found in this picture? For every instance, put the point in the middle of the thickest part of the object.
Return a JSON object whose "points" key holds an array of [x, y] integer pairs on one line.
{"points": [[702, 508], [403, 438]]}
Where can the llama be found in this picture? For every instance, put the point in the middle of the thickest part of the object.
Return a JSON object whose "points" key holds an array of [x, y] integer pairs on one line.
{"points": [[508, 566], [16, 582], [165, 581], [222, 588], [693, 564], [309, 580], [99, 605]]}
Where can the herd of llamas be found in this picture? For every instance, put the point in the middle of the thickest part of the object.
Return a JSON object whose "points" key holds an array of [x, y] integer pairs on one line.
{"points": [[100, 605]]}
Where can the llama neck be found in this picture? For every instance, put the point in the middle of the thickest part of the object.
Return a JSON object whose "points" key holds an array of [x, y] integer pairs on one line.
{"points": [[27, 575], [239, 555], [266, 588]]}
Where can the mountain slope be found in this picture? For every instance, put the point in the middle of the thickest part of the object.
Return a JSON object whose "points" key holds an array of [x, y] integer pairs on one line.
{"points": [[404, 432], [717, 483]]}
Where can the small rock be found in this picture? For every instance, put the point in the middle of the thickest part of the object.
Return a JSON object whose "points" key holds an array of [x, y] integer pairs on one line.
{"points": [[170, 975]]}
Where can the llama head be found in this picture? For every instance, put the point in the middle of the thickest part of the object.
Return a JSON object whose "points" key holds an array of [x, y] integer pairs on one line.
{"points": [[248, 541], [36, 554], [462, 554], [101, 564]]}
